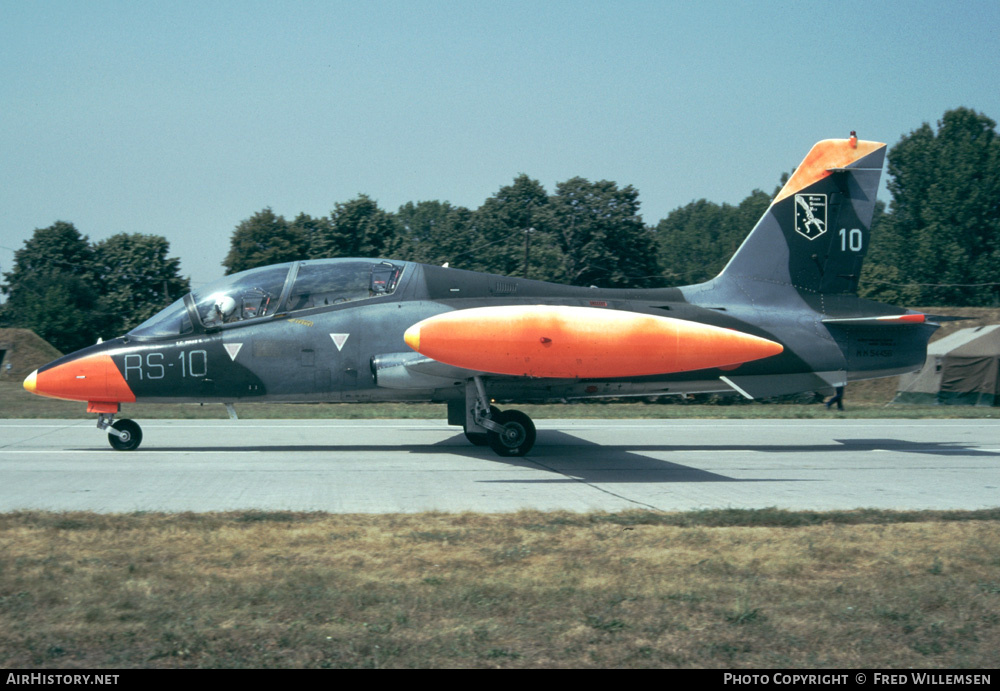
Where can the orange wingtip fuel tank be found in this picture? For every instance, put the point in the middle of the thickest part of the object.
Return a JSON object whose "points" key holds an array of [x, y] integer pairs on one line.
{"points": [[89, 378], [552, 341]]}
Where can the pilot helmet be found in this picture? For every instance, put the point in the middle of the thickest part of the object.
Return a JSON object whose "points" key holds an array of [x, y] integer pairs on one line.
{"points": [[225, 306]]}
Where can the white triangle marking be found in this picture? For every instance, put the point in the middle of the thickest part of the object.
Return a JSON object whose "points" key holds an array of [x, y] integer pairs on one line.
{"points": [[233, 349], [339, 340]]}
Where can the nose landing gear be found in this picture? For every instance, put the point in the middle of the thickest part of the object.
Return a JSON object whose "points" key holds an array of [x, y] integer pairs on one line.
{"points": [[124, 435]]}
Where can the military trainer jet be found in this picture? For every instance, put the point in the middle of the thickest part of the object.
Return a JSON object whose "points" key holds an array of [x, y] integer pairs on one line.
{"points": [[782, 317]]}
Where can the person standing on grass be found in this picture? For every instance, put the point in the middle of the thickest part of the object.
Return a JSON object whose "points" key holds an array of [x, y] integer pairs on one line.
{"points": [[838, 398]]}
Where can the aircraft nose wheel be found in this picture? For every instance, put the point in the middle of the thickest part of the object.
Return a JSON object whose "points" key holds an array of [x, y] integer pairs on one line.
{"points": [[517, 437], [129, 436]]}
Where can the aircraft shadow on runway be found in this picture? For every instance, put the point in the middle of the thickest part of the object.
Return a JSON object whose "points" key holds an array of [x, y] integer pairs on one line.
{"points": [[583, 461], [934, 448], [556, 444], [565, 457], [571, 459]]}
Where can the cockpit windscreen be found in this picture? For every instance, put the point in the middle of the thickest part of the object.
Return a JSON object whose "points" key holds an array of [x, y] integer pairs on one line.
{"points": [[262, 292]]}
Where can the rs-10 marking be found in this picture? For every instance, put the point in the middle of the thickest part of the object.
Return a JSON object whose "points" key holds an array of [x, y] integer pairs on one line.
{"points": [[193, 363]]}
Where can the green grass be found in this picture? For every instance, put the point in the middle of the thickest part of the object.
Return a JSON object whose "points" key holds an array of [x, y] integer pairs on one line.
{"points": [[15, 402]]}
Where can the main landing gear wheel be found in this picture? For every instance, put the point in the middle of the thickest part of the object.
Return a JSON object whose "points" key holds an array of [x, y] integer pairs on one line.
{"points": [[477, 438], [130, 437], [518, 434]]}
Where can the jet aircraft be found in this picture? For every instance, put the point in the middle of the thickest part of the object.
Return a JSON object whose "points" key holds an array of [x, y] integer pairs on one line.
{"points": [[782, 317]]}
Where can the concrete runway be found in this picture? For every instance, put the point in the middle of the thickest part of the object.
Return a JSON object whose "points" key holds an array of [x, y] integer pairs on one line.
{"points": [[383, 466]]}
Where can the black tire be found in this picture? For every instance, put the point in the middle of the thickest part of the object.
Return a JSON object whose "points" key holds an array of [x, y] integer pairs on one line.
{"points": [[477, 438], [132, 438], [518, 436]]}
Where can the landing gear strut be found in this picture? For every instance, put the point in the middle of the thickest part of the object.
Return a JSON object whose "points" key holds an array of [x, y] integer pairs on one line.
{"points": [[124, 435], [508, 432], [480, 438]]}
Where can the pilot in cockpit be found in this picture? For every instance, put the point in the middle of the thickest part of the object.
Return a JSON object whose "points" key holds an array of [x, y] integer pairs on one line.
{"points": [[222, 311]]}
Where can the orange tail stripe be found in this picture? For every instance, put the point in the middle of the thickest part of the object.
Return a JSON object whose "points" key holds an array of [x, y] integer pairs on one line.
{"points": [[829, 153], [579, 342], [90, 378]]}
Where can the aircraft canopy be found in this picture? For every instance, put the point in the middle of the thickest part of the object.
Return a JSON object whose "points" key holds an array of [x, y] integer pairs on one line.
{"points": [[267, 291]]}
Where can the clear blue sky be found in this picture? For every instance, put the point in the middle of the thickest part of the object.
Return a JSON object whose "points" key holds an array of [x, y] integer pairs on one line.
{"points": [[183, 118]]}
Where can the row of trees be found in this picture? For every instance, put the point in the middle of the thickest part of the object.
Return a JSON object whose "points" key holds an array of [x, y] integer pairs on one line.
{"points": [[937, 244], [940, 242], [585, 233], [71, 291]]}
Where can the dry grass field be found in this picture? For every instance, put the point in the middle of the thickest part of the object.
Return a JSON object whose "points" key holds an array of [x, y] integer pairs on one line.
{"points": [[733, 589]]}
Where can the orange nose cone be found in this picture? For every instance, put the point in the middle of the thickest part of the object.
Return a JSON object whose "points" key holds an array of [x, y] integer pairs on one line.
{"points": [[89, 378]]}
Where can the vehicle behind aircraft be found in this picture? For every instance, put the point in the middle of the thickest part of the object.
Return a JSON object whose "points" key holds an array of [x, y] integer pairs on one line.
{"points": [[782, 317]]}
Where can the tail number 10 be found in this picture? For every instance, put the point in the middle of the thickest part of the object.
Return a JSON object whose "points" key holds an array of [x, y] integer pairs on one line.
{"points": [[852, 240]]}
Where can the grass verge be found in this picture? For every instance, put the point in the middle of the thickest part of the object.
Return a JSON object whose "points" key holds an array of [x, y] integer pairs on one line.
{"points": [[763, 588], [15, 402]]}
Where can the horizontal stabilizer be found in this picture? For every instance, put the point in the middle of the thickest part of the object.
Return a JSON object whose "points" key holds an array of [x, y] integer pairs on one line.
{"points": [[888, 320], [938, 318]]}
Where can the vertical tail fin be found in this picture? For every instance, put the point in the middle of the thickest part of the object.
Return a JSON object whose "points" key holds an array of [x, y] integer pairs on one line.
{"points": [[814, 236]]}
